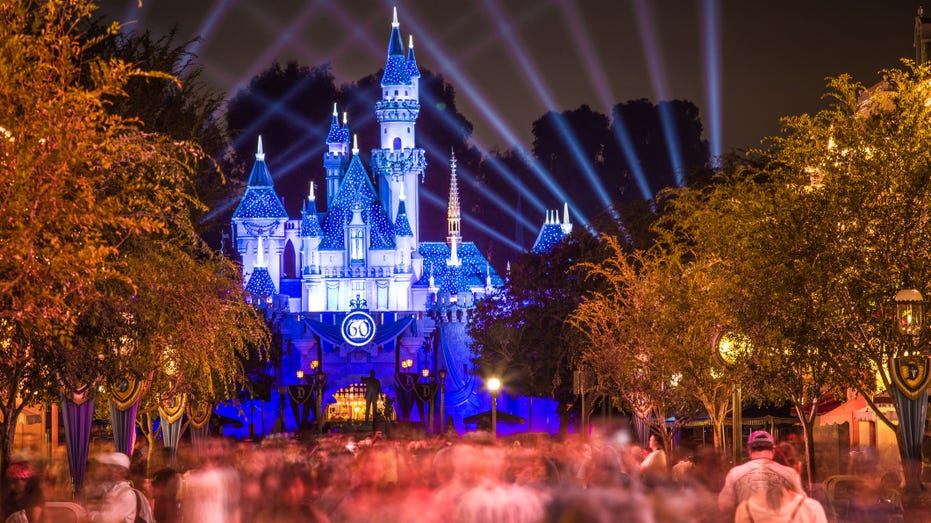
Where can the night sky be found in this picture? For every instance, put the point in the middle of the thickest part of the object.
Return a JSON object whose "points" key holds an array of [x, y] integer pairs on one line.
{"points": [[774, 56]]}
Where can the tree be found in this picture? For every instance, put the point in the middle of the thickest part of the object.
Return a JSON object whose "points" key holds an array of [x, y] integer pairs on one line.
{"points": [[520, 331], [762, 241], [646, 127], [821, 235], [91, 206], [182, 106], [647, 335]]}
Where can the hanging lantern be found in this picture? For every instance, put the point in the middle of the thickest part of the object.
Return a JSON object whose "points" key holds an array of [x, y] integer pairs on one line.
{"points": [[909, 312]]}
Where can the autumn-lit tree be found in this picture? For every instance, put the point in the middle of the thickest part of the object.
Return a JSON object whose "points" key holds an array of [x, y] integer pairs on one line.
{"points": [[819, 236], [648, 335], [759, 242], [865, 162], [93, 208]]}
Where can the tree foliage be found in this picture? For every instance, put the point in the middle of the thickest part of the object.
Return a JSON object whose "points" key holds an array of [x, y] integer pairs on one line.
{"points": [[102, 271], [519, 332]]}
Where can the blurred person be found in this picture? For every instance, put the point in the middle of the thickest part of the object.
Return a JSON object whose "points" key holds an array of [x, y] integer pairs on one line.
{"points": [[210, 494], [597, 505], [23, 499], [654, 464], [760, 474], [166, 484], [112, 499]]}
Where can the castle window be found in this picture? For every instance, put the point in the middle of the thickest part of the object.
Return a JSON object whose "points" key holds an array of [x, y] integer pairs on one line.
{"points": [[397, 143], [405, 93], [356, 245], [408, 130], [395, 92]]}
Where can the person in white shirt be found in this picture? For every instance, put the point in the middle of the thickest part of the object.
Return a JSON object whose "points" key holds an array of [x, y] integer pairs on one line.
{"points": [[112, 499], [759, 477]]}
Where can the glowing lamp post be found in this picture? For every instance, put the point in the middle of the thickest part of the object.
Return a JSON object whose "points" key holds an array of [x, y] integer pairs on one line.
{"points": [[729, 348], [429, 393], [494, 385], [909, 312]]}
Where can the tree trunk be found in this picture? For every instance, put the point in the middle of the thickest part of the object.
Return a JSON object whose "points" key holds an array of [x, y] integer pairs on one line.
{"points": [[808, 432], [7, 436]]}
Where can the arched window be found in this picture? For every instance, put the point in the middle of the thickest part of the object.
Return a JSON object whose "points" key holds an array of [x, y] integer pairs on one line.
{"points": [[397, 143], [289, 263]]}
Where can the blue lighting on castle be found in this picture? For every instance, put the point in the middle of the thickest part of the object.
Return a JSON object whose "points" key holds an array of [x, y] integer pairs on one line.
{"points": [[360, 246]]}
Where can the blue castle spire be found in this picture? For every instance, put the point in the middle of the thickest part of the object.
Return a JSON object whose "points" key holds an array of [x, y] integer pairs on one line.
{"points": [[260, 199], [396, 64]]}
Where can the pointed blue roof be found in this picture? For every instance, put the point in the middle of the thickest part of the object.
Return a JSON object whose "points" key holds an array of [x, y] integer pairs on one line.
{"points": [[402, 227], [396, 66], [334, 136], [412, 70], [260, 283], [310, 223], [344, 135], [260, 199], [357, 187], [550, 235], [470, 273]]}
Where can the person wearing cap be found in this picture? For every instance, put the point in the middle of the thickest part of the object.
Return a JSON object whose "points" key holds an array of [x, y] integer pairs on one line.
{"points": [[23, 499], [760, 474], [113, 499]]}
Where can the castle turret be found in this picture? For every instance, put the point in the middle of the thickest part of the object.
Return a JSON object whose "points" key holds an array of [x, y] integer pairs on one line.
{"points": [[336, 158], [399, 160], [261, 286], [553, 231], [260, 213], [311, 234]]}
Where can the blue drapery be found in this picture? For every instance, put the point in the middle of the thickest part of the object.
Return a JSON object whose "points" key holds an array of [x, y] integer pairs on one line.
{"points": [[385, 334], [460, 387]]}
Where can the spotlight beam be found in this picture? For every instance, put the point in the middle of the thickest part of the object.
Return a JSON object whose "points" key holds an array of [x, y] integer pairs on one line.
{"points": [[519, 53], [219, 9], [645, 26], [465, 86], [711, 29], [439, 202], [583, 44], [377, 51]]}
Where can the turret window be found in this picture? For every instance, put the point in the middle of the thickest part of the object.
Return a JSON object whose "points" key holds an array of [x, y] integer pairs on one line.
{"points": [[395, 92], [397, 143]]}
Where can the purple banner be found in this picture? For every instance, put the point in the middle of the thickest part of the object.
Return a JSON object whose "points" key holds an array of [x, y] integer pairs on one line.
{"points": [[78, 420]]}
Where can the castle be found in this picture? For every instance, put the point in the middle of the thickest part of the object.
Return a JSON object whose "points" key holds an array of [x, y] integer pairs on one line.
{"points": [[360, 289]]}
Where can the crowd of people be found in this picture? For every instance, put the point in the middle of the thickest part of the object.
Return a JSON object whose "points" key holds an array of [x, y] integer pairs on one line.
{"points": [[469, 479]]}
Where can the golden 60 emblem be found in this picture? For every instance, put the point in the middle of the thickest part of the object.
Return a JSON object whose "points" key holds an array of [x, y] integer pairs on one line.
{"points": [[358, 328]]}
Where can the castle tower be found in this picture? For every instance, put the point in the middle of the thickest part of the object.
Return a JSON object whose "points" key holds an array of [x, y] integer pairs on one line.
{"points": [[399, 160], [260, 214], [336, 157]]}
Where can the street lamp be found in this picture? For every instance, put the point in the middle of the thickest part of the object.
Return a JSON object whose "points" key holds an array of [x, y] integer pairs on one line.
{"points": [[729, 348], [494, 385], [910, 374]]}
